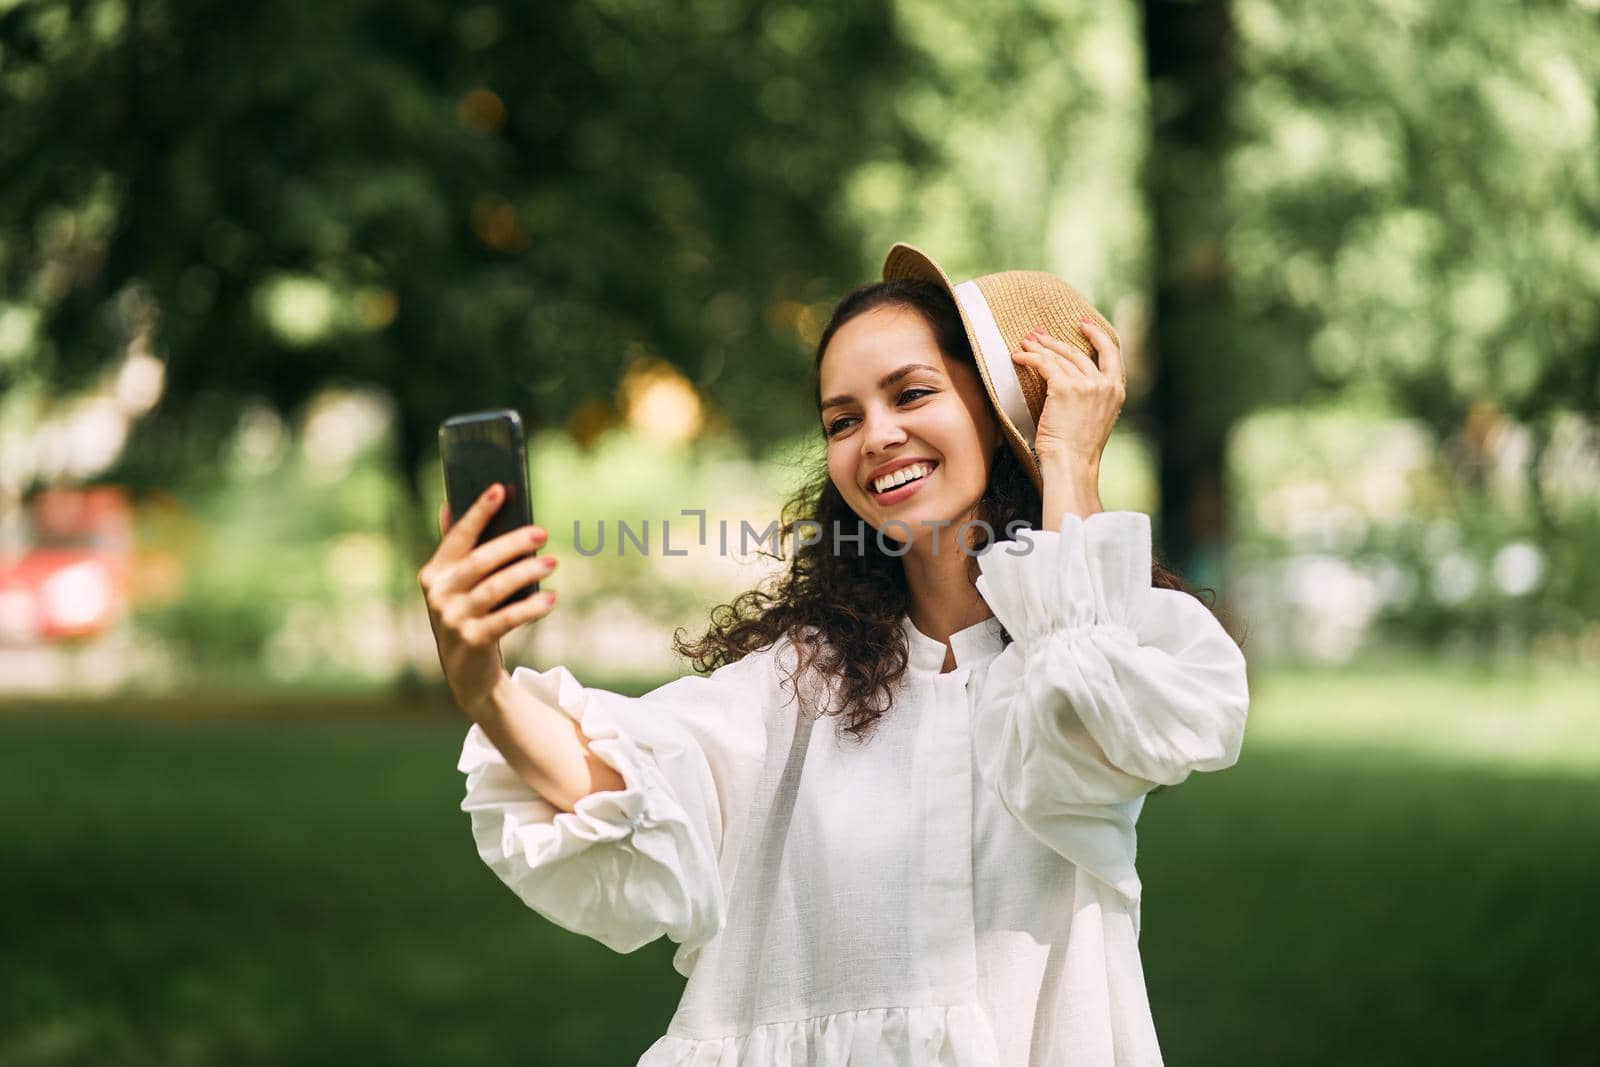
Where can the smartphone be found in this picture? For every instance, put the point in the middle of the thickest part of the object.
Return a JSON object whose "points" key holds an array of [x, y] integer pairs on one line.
{"points": [[479, 449]]}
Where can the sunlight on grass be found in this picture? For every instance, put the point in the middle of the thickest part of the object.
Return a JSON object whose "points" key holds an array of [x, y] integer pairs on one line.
{"points": [[1392, 868], [1527, 719]]}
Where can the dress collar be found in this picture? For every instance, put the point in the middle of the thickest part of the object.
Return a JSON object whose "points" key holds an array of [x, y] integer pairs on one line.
{"points": [[976, 642]]}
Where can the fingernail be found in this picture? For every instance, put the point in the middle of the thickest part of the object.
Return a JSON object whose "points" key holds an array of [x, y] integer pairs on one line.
{"points": [[495, 491]]}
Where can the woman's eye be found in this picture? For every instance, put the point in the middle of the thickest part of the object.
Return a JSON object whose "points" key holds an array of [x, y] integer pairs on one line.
{"points": [[841, 424]]}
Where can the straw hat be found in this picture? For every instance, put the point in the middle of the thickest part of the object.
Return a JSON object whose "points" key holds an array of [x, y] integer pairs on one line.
{"points": [[998, 310]]}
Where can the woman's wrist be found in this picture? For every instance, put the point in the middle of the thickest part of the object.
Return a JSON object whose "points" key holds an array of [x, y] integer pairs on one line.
{"points": [[1071, 486], [493, 702], [542, 745]]}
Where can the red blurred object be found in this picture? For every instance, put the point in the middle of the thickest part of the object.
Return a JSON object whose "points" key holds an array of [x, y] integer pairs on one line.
{"points": [[70, 577]]}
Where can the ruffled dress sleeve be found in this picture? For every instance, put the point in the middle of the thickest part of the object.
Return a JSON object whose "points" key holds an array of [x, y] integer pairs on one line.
{"points": [[1109, 688], [657, 856]]}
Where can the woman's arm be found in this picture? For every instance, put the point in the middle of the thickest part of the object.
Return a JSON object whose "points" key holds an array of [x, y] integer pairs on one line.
{"points": [[545, 748], [655, 856], [614, 817], [1110, 687], [464, 584], [1071, 487]]}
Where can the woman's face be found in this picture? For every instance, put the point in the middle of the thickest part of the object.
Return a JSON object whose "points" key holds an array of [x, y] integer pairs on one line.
{"points": [[893, 401]]}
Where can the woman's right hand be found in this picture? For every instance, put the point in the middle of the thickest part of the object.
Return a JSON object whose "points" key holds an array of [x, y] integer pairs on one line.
{"points": [[462, 584]]}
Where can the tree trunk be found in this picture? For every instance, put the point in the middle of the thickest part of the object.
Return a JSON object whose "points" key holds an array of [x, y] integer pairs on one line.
{"points": [[415, 533], [1189, 56]]}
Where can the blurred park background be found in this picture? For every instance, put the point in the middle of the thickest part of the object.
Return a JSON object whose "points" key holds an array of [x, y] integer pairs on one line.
{"points": [[252, 255]]}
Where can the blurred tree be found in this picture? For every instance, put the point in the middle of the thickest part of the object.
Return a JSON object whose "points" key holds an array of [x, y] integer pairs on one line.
{"points": [[1031, 119], [1200, 384], [1036, 115], [498, 204], [1415, 197]]}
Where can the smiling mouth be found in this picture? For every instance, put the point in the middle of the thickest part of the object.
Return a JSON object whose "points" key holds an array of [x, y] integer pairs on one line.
{"points": [[910, 481]]}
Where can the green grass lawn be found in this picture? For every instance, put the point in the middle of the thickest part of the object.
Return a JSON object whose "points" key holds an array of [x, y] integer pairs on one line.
{"points": [[1374, 883]]}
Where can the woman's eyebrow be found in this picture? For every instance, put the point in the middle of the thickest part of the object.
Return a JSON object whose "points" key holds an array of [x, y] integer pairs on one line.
{"points": [[883, 383]]}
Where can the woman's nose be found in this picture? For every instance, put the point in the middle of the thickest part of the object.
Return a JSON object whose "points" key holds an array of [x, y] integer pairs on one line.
{"points": [[883, 431]]}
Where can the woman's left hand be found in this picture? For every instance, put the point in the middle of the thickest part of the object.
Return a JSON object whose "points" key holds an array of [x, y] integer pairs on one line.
{"points": [[1083, 399]]}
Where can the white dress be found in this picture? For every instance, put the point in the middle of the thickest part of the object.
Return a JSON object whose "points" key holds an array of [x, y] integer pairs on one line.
{"points": [[958, 892]]}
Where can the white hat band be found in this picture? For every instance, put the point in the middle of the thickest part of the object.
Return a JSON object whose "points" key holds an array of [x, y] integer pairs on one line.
{"points": [[1002, 372]]}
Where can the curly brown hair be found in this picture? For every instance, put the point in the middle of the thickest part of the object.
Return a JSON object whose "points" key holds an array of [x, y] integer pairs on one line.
{"points": [[842, 611]]}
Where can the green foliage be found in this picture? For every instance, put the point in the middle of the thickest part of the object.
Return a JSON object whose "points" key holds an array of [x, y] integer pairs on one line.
{"points": [[499, 204], [284, 577], [218, 627], [470, 207], [1346, 511], [1032, 116], [1416, 195]]}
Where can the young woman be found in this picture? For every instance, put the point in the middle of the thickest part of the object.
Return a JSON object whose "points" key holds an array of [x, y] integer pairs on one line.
{"points": [[895, 823]]}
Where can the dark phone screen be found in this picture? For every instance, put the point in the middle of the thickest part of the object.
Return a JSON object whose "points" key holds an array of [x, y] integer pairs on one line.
{"points": [[478, 450]]}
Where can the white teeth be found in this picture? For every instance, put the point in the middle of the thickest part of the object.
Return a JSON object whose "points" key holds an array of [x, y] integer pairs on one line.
{"points": [[901, 476]]}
